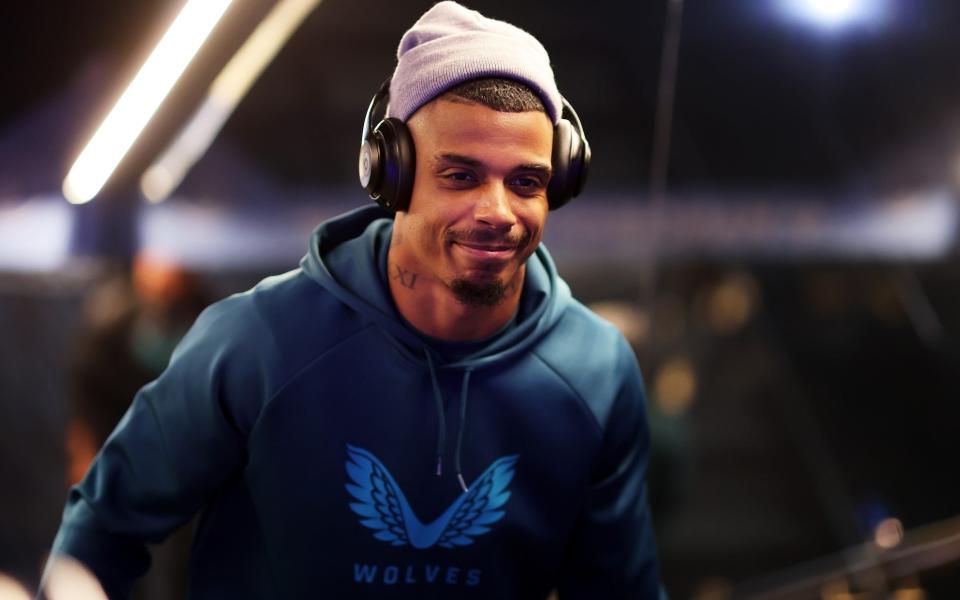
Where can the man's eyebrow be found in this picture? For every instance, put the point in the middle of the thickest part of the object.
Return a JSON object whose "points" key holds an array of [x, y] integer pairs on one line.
{"points": [[468, 161], [457, 159], [546, 169]]}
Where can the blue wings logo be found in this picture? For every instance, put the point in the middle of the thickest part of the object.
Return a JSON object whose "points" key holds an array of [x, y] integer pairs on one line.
{"points": [[384, 509]]}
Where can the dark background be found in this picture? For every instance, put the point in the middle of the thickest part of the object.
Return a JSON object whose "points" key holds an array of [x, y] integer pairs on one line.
{"points": [[761, 99]]}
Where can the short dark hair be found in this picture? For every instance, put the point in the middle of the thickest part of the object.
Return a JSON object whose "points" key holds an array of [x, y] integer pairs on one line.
{"points": [[498, 93]]}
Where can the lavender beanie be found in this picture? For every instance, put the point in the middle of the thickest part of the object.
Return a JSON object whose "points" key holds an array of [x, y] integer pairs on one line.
{"points": [[451, 44]]}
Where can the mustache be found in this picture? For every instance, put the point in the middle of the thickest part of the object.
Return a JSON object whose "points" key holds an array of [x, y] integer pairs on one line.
{"points": [[488, 237]]}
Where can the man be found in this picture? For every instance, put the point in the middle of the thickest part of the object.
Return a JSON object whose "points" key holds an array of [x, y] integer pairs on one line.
{"points": [[308, 418]]}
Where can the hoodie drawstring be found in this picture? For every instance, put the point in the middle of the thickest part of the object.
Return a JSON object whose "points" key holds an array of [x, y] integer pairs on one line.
{"points": [[463, 426], [442, 420], [441, 416]]}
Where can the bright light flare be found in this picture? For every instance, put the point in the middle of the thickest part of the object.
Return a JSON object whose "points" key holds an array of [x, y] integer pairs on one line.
{"points": [[836, 14], [166, 173], [888, 533], [11, 589], [832, 11], [141, 99], [68, 579]]}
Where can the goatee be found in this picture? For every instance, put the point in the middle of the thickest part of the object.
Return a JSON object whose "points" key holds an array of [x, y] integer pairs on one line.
{"points": [[471, 293]]}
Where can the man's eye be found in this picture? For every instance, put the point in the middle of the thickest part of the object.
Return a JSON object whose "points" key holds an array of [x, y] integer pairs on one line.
{"points": [[459, 176], [527, 183]]}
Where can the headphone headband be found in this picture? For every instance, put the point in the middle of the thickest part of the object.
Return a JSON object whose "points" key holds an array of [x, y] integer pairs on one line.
{"points": [[377, 103]]}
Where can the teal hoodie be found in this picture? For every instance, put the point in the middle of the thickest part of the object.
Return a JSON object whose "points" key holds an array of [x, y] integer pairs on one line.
{"points": [[308, 424]]}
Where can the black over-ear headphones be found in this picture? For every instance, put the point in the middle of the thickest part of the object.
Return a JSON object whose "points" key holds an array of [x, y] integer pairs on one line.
{"points": [[388, 157]]}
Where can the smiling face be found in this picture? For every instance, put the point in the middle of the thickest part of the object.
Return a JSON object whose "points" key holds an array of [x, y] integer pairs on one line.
{"points": [[479, 199]]}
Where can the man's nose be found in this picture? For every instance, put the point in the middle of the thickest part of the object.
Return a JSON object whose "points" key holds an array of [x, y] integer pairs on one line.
{"points": [[494, 208]]}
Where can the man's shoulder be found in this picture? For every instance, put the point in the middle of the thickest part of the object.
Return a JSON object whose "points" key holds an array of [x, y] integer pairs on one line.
{"points": [[578, 323], [587, 351], [280, 314], [594, 360]]}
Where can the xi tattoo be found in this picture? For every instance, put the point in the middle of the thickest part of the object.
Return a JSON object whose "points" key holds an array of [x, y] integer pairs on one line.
{"points": [[407, 279]]}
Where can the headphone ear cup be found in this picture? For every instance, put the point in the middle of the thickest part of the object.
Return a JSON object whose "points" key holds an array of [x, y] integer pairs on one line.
{"points": [[571, 157], [391, 157], [369, 167]]}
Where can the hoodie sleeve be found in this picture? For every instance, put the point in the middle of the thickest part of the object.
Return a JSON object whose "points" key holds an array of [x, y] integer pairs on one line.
{"points": [[183, 437], [612, 553]]}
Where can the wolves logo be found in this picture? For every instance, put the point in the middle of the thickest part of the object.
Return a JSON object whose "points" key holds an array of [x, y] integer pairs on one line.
{"points": [[384, 508]]}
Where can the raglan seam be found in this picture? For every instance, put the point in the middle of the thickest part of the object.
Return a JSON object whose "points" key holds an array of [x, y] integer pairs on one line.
{"points": [[296, 374], [167, 459], [573, 390]]}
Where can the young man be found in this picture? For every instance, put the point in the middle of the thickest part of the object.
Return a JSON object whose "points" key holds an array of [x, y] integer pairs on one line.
{"points": [[310, 419]]}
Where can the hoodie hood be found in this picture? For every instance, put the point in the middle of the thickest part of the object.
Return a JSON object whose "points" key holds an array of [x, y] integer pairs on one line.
{"points": [[348, 254]]}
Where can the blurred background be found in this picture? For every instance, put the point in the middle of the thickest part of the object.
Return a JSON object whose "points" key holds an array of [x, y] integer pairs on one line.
{"points": [[771, 219]]}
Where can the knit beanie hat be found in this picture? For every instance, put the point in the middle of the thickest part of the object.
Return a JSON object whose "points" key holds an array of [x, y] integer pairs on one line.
{"points": [[451, 44]]}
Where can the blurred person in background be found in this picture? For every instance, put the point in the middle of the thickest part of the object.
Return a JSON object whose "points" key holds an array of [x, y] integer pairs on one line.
{"points": [[131, 324], [313, 421]]}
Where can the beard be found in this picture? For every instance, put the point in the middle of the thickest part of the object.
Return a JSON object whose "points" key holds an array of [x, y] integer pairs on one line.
{"points": [[477, 294]]}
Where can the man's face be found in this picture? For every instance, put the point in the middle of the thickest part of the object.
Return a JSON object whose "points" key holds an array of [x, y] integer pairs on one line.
{"points": [[479, 199]]}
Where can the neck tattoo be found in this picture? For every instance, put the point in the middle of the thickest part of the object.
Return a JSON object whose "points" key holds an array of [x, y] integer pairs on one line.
{"points": [[405, 277]]}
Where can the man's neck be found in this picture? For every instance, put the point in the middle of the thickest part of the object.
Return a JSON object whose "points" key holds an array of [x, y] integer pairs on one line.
{"points": [[433, 309]]}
